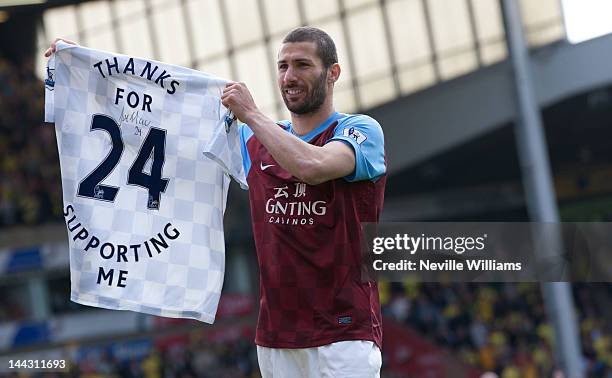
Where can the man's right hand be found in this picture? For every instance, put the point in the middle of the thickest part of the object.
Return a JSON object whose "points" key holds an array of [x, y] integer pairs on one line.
{"points": [[53, 46]]}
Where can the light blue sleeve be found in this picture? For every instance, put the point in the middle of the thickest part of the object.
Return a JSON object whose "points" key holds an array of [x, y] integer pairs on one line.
{"points": [[245, 134], [366, 138]]}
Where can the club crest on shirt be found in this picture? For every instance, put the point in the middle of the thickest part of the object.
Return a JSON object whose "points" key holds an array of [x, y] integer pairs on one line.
{"points": [[357, 135]]}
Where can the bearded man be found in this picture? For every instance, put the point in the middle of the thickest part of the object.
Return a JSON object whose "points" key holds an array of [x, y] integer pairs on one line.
{"points": [[312, 181]]}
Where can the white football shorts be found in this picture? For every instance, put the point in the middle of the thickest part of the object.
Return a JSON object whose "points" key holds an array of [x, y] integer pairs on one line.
{"points": [[355, 359]]}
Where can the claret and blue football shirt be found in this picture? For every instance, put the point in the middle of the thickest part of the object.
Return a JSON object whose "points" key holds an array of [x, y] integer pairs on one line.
{"points": [[142, 204], [309, 238]]}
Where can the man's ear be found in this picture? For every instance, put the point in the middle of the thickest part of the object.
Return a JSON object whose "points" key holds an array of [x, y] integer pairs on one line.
{"points": [[333, 73]]}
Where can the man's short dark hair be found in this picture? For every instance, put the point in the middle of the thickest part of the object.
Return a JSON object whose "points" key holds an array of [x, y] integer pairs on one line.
{"points": [[326, 49]]}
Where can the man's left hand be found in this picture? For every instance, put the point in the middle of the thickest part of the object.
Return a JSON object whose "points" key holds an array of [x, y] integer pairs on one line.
{"points": [[237, 98]]}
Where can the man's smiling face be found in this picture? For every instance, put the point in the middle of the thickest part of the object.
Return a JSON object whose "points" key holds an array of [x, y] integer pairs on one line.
{"points": [[302, 79]]}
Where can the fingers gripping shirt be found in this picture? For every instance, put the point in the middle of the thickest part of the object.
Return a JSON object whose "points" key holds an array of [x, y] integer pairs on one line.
{"points": [[142, 203]]}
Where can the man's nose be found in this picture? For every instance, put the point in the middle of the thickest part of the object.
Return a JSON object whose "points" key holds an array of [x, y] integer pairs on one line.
{"points": [[289, 76]]}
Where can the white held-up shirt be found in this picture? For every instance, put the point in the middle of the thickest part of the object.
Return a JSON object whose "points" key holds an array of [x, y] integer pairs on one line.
{"points": [[142, 204]]}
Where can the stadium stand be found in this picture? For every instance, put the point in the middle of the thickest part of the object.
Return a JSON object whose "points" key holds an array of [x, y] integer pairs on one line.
{"points": [[466, 329], [501, 327], [493, 327], [30, 192]]}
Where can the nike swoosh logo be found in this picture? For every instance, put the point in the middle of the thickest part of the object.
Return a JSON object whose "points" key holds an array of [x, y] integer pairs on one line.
{"points": [[264, 167]]}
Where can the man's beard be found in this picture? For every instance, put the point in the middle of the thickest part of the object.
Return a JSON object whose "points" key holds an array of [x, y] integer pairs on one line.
{"points": [[313, 102]]}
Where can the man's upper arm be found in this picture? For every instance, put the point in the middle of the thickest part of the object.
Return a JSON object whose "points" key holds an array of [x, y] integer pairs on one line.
{"points": [[339, 160], [365, 136]]}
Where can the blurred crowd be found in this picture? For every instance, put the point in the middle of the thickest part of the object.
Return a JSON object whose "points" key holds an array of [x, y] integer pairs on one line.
{"points": [[13, 306], [502, 327], [30, 187], [228, 359], [236, 359]]}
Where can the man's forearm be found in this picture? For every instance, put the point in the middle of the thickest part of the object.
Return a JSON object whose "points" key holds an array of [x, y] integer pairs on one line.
{"points": [[311, 164]]}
